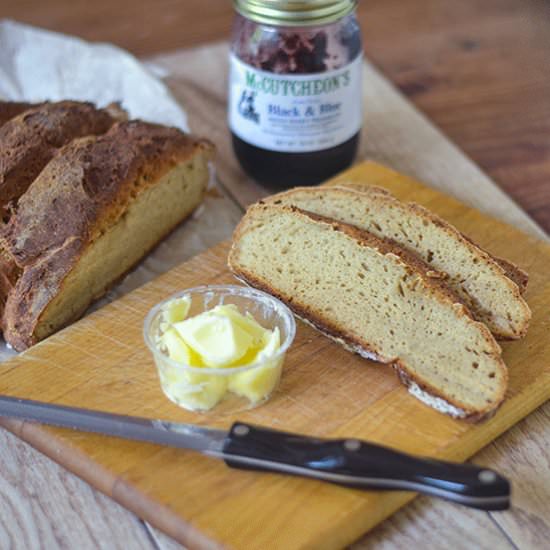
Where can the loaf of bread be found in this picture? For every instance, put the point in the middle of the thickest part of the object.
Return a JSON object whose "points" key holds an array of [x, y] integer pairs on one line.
{"points": [[480, 282], [377, 300], [29, 140], [94, 211]]}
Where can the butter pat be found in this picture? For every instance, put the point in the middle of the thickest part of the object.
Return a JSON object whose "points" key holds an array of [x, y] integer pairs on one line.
{"points": [[176, 310], [192, 389], [245, 322], [218, 339], [178, 350], [256, 384], [221, 338]]}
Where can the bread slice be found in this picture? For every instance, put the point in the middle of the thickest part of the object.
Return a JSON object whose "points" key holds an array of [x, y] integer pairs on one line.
{"points": [[473, 274], [94, 211], [517, 275], [377, 300], [511, 270], [29, 141]]}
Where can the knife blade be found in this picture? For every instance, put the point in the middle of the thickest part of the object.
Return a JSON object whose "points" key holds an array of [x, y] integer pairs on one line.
{"points": [[348, 462]]}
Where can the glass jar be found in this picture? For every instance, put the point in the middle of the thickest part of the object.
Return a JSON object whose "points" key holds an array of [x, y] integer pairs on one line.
{"points": [[295, 104]]}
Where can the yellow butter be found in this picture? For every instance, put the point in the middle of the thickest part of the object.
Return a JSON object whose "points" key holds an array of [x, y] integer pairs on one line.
{"points": [[219, 338], [258, 383], [177, 310], [193, 390], [214, 337], [247, 323], [178, 350]]}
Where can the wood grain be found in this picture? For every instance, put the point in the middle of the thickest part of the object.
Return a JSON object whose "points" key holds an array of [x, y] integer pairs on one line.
{"points": [[435, 526], [501, 119], [34, 516], [477, 68], [101, 362], [523, 454]]}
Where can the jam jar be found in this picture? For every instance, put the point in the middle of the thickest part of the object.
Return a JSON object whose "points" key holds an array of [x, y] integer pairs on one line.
{"points": [[295, 89]]}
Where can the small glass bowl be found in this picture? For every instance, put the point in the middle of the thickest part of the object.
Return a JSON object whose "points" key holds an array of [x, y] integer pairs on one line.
{"points": [[227, 389]]}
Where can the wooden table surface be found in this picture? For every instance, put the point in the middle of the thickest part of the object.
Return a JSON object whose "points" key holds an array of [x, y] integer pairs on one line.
{"points": [[480, 69]]}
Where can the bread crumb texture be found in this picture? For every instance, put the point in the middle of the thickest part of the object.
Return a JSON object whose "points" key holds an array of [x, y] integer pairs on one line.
{"points": [[478, 279]]}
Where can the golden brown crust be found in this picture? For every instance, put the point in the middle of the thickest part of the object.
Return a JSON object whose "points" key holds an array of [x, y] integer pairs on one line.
{"points": [[513, 272], [37, 285], [9, 274], [10, 109], [324, 325], [89, 183], [30, 140], [84, 190]]}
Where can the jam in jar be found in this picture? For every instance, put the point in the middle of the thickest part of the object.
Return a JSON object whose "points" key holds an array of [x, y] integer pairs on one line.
{"points": [[295, 89]]}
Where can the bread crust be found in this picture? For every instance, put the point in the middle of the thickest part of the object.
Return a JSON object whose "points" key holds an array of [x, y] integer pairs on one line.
{"points": [[384, 246], [10, 109], [29, 141], [9, 274], [82, 192]]}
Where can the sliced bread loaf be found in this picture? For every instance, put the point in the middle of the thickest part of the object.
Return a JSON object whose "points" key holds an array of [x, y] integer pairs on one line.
{"points": [[94, 211], [377, 300], [28, 141], [473, 274]]}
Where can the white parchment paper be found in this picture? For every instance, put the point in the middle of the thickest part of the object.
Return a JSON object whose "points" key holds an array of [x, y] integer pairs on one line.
{"points": [[37, 65]]}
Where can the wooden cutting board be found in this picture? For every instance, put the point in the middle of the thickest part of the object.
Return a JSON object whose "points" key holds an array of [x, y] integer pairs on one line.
{"points": [[102, 363]]}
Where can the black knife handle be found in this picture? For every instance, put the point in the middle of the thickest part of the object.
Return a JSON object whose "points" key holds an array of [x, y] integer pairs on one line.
{"points": [[359, 464]]}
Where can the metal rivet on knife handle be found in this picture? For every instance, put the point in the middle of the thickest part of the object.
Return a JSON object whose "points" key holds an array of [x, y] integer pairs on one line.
{"points": [[352, 445], [486, 476], [241, 430]]}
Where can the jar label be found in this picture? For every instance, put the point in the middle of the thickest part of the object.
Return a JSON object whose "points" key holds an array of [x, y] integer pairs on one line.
{"points": [[292, 113]]}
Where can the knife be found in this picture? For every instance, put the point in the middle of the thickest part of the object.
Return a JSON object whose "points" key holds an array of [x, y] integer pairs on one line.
{"points": [[348, 462]]}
